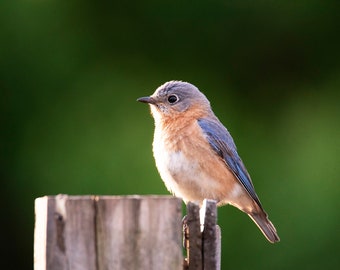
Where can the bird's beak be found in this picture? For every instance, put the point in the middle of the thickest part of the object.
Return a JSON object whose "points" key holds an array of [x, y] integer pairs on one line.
{"points": [[149, 100]]}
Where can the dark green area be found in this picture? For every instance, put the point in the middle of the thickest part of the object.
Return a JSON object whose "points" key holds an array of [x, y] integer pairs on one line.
{"points": [[70, 73]]}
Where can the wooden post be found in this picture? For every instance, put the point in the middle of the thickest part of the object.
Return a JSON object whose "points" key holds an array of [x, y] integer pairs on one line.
{"points": [[194, 236], [124, 232], [109, 232], [202, 241], [211, 237]]}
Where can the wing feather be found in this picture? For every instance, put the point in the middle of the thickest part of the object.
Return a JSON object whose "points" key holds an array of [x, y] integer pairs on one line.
{"points": [[222, 143]]}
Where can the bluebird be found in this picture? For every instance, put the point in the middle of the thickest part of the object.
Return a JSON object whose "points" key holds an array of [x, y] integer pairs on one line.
{"points": [[196, 156]]}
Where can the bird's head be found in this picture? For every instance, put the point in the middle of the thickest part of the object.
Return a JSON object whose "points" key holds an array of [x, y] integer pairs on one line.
{"points": [[177, 98]]}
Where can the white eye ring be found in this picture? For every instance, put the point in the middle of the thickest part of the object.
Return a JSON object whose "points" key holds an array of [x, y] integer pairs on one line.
{"points": [[172, 99]]}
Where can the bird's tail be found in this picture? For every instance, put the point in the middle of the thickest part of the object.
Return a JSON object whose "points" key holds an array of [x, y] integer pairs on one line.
{"points": [[267, 228]]}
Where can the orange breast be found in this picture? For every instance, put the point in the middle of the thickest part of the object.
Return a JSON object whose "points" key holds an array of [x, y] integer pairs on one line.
{"points": [[189, 166]]}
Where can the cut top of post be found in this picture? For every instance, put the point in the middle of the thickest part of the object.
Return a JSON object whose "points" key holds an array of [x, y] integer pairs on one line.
{"points": [[108, 232]]}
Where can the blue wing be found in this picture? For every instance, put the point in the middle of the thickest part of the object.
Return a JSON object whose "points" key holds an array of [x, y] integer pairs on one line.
{"points": [[222, 143]]}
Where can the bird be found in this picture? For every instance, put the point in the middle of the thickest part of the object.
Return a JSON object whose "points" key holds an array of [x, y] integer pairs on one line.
{"points": [[196, 156]]}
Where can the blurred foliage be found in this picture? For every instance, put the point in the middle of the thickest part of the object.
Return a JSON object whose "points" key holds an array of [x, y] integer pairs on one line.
{"points": [[72, 70]]}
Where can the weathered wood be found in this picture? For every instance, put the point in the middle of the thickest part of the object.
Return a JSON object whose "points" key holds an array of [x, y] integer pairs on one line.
{"points": [[90, 232], [194, 248], [136, 233], [204, 237], [211, 237], [64, 233]]}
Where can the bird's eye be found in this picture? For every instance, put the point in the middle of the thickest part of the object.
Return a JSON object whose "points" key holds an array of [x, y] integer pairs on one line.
{"points": [[172, 99]]}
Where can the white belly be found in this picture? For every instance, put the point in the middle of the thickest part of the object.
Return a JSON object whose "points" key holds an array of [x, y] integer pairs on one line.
{"points": [[184, 178]]}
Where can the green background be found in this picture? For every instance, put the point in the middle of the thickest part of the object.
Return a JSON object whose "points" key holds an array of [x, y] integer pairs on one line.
{"points": [[70, 73]]}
